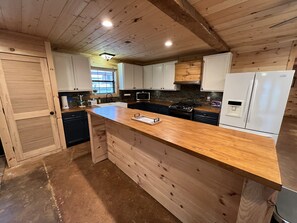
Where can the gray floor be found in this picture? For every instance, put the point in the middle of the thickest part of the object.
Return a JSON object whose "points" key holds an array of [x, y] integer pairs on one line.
{"points": [[68, 187]]}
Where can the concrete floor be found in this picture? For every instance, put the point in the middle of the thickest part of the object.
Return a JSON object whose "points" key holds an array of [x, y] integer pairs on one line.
{"points": [[68, 187]]}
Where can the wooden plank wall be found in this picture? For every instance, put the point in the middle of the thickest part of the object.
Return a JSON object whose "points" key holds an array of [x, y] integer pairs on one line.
{"points": [[261, 57], [291, 109]]}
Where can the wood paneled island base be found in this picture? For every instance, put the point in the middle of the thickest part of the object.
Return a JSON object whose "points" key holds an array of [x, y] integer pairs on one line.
{"points": [[193, 188]]}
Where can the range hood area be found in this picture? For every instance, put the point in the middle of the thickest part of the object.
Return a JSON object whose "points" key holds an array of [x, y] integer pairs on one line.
{"points": [[188, 72]]}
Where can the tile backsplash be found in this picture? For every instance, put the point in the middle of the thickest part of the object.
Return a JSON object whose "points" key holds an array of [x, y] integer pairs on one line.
{"points": [[186, 92]]}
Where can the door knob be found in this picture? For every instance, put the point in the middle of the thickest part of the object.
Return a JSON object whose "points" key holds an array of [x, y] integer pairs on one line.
{"points": [[52, 113]]}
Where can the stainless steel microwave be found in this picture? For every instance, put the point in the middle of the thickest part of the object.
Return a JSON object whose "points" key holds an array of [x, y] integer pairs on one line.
{"points": [[143, 96]]}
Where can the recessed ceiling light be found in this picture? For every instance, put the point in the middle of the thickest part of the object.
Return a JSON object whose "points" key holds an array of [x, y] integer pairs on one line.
{"points": [[107, 23], [168, 43]]}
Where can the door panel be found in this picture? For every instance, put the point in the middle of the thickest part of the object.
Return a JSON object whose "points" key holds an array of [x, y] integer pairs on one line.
{"points": [[26, 89], [269, 101], [82, 73], [169, 76], [64, 71], [27, 99], [238, 87], [158, 76], [138, 77], [35, 133]]}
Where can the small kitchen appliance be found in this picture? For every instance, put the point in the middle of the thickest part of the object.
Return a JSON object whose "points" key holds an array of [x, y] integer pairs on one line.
{"points": [[64, 102], [143, 96]]}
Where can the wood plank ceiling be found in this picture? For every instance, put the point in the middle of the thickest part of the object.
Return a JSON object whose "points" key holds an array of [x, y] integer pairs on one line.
{"points": [[140, 29]]}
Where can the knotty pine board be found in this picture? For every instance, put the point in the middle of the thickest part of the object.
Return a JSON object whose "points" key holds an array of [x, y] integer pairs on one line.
{"points": [[192, 189], [97, 138]]}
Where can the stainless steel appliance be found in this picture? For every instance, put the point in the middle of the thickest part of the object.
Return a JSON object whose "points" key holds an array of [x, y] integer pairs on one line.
{"points": [[143, 96]]}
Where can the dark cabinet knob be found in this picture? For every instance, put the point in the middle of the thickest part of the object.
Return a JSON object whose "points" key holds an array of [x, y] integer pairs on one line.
{"points": [[52, 113]]}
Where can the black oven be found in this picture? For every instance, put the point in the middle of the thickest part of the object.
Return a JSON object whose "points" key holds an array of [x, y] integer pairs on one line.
{"points": [[181, 114]]}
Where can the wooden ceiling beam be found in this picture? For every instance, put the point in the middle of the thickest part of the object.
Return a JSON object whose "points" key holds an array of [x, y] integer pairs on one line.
{"points": [[185, 14]]}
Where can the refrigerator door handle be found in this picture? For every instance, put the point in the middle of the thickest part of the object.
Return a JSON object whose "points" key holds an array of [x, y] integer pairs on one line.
{"points": [[252, 101], [248, 93]]}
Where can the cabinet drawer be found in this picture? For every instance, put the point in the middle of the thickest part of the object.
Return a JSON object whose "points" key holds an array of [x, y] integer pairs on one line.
{"points": [[74, 115]]}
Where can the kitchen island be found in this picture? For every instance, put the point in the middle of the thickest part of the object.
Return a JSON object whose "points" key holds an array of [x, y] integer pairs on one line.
{"points": [[199, 172]]}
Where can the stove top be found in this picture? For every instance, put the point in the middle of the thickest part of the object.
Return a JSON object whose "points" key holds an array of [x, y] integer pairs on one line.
{"points": [[184, 106]]}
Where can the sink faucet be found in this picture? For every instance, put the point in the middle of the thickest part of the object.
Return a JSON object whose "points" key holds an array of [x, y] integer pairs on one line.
{"points": [[108, 99]]}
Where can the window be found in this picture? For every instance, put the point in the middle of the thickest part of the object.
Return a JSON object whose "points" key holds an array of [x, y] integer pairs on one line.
{"points": [[103, 80]]}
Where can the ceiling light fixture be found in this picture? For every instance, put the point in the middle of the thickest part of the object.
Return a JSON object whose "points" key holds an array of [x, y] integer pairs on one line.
{"points": [[168, 43], [106, 56], [107, 23]]}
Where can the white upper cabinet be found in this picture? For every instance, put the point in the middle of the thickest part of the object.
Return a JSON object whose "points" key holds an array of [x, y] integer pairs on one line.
{"points": [[138, 77], [215, 68], [163, 76], [158, 77], [148, 77], [130, 76], [64, 71], [72, 72], [151, 77], [82, 73], [169, 76], [126, 81]]}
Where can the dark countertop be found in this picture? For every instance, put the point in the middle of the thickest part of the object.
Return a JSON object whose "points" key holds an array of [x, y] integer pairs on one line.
{"points": [[206, 108], [166, 103]]}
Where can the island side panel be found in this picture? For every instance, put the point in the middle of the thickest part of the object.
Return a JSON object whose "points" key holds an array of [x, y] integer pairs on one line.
{"points": [[257, 203], [190, 188], [97, 138]]}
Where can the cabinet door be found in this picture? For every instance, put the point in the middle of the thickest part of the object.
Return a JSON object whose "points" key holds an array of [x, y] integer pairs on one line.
{"points": [[64, 72], [138, 77], [82, 73], [158, 77], [148, 77], [28, 104], [169, 75], [215, 69], [126, 73]]}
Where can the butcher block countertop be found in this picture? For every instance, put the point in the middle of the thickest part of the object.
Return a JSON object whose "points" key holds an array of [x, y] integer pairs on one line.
{"points": [[248, 155]]}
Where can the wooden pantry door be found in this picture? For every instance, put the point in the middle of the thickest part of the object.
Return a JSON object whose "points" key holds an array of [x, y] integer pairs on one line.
{"points": [[26, 94]]}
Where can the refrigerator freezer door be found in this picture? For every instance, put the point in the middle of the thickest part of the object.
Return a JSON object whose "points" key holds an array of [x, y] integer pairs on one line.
{"points": [[269, 99], [237, 93]]}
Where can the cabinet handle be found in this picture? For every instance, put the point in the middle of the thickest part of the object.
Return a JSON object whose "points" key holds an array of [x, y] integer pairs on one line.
{"points": [[52, 113]]}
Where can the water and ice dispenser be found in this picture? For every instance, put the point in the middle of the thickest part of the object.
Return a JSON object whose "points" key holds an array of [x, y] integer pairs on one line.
{"points": [[235, 108]]}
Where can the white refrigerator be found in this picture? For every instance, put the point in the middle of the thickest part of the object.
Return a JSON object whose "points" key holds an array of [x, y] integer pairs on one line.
{"points": [[255, 102]]}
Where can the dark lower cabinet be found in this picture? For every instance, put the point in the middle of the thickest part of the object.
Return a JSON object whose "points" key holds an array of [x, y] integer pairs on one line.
{"points": [[206, 117], [76, 127]]}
